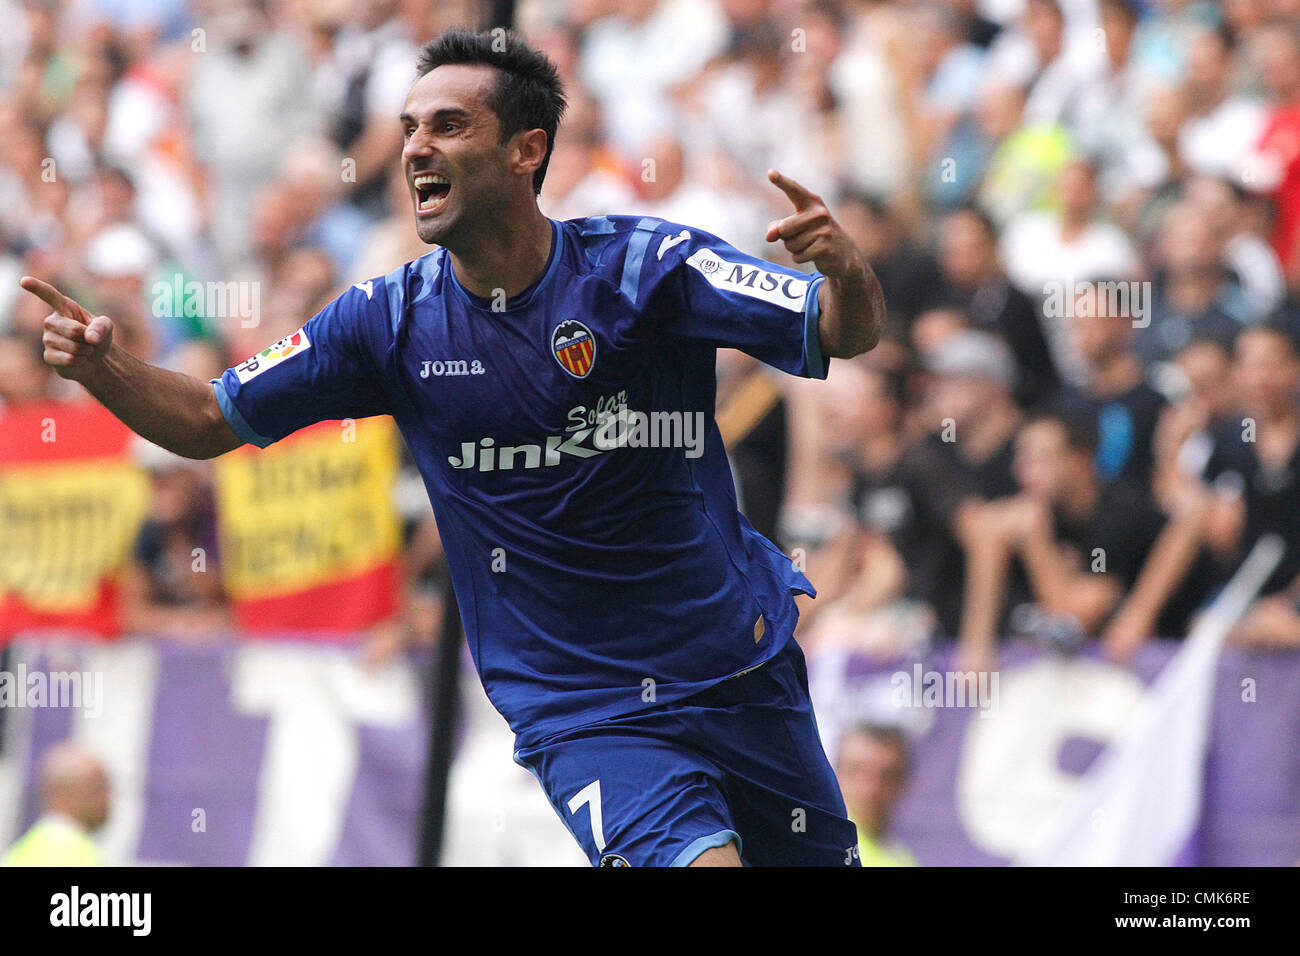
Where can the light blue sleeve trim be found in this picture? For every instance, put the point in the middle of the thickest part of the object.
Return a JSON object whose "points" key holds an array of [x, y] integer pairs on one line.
{"points": [[395, 287], [630, 284], [814, 364], [597, 226], [235, 419], [721, 838]]}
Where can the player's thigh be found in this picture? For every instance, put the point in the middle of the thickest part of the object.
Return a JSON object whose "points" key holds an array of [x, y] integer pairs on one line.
{"points": [[783, 794], [631, 799]]}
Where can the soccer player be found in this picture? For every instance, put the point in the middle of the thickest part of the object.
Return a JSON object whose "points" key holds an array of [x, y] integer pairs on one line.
{"points": [[555, 384]]}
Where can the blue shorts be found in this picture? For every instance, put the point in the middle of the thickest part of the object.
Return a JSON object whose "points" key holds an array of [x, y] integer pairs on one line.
{"points": [[740, 761]]}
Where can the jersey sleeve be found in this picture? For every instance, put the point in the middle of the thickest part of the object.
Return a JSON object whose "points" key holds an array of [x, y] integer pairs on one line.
{"points": [[701, 288], [329, 369]]}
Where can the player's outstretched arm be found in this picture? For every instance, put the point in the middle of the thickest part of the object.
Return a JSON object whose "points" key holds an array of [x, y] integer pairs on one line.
{"points": [[172, 410], [851, 302]]}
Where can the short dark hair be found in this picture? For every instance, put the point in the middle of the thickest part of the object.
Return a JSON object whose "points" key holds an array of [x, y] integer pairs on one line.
{"points": [[529, 93], [1080, 429], [979, 214], [1278, 324], [887, 734], [1226, 345]]}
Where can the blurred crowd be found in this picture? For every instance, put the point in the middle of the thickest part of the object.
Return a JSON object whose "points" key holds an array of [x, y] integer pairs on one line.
{"points": [[1085, 215]]}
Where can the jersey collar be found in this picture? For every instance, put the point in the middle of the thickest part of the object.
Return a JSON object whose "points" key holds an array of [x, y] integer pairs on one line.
{"points": [[525, 298]]}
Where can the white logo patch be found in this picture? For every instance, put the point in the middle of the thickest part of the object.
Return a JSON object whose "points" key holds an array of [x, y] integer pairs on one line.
{"points": [[273, 355], [777, 288], [670, 241]]}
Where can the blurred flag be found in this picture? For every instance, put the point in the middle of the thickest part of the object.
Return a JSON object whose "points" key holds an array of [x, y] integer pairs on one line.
{"points": [[1140, 802], [71, 505], [310, 538]]}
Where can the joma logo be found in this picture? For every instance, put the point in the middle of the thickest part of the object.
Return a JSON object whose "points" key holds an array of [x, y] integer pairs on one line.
{"points": [[452, 367]]}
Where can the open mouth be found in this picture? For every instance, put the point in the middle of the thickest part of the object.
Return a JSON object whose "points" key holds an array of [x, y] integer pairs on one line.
{"points": [[431, 192]]}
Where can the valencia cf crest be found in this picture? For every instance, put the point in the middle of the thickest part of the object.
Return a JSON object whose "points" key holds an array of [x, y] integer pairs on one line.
{"points": [[574, 347]]}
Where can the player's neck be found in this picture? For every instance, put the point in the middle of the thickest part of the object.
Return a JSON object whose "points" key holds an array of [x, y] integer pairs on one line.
{"points": [[511, 259]]}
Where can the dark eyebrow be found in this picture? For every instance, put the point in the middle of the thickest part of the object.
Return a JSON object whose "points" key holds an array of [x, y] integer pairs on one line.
{"points": [[447, 112]]}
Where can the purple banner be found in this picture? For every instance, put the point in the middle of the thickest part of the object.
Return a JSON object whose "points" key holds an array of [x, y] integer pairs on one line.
{"points": [[986, 780], [238, 754]]}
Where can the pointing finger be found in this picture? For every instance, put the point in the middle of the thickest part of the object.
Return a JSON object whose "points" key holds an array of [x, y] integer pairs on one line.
{"points": [[55, 299], [796, 193]]}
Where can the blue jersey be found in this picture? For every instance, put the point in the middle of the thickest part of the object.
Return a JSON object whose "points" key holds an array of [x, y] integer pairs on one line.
{"points": [[567, 442]]}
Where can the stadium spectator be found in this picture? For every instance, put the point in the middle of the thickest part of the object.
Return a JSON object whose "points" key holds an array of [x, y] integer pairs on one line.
{"points": [[1044, 252], [173, 584], [974, 283], [957, 164], [242, 105], [1162, 176], [1184, 435], [1101, 558], [964, 460], [312, 185], [872, 767], [1223, 125], [1108, 116], [633, 58], [670, 184], [1115, 394], [764, 105], [828, 427], [875, 568], [1027, 157], [907, 270], [1249, 258], [1275, 165], [360, 85], [950, 69], [1254, 466], [1036, 52], [1193, 293], [868, 80], [75, 802]]}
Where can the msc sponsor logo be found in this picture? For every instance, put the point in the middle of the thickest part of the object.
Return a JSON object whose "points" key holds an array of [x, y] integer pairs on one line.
{"points": [[778, 288]]}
